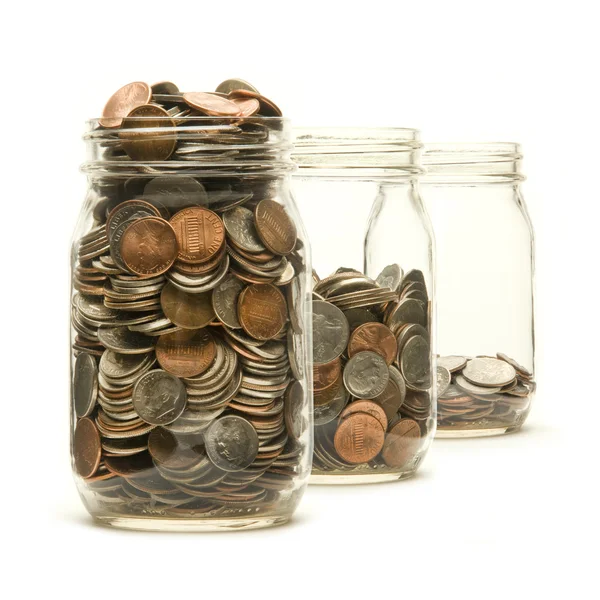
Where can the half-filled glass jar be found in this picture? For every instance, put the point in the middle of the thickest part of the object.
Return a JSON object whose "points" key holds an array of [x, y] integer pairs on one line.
{"points": [[485, 287], [373, 343], [191, 326]]}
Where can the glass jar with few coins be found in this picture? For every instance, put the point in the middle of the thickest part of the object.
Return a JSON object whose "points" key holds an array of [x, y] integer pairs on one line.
{"points": [[372, 246], [191, 329], [484, 287]]}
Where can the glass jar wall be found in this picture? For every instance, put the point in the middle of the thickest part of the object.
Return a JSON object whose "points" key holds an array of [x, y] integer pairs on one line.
{"points": [[374, 403], [191, 327], [484, 287]]}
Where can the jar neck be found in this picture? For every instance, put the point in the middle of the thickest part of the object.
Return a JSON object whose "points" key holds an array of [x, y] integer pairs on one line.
{"points": [[483, 163], [357, 153]]}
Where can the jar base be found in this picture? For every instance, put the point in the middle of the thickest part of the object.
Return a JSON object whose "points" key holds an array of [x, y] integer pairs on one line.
{"points": [[189, 525], [357, 479], [475, 433]]}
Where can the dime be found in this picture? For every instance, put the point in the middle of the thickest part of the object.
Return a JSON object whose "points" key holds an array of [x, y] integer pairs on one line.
{"points": [[211, 104], [274, 227], [330, 332], [402, 443], [390, 277], [231, 443], [366, 375], [149, 246], [190, 311], [240, 227], [262, 311], [87, 448], [159, 397], [359, 438], [443, 378], [123, 101], [375, 337], [369, 407], [85, 384], [293, 410], [511, 361], [200, 234], [186, 353], [415, 361], [452, 363], [144, 146], [225, 299], [489, 372]]}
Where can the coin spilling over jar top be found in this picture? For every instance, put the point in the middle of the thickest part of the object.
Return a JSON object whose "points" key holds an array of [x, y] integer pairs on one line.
{"points": [[483, 392], [372, 371], [186, 388]]}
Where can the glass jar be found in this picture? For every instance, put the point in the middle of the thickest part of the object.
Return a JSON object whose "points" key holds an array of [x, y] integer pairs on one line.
{"points": [[191, 327], [484, 287], [372, 247]]}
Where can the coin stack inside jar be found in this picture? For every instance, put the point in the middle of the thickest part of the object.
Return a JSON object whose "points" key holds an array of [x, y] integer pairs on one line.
{"points": [[372, 371], [482, 393], [187, 383]]}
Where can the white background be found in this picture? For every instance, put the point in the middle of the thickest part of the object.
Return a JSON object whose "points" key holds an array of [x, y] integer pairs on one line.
{"points": [[506, 517]]}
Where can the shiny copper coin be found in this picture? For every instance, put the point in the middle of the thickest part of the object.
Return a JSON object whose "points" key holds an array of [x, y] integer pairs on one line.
{"points": [[200, 234], [366, 406], [274, 227], [401, 443], [262, 311], [190, 311], [146, 146], [268, 108], [326, 374], [375, 337], [211, 104], [123, 101], [247, 106], [149, 246], [87, 448], [359, 438], [186, 353]]}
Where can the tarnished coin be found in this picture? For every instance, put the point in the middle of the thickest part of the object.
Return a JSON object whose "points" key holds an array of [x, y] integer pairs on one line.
{"points": [[123, 101], [390, 277], [200, 234], [124, 341], [186, 353], [452, 363], [275, 227], [408, 310], [190, 311], [293, 407], [87, 448], [443, 378], [175, 192], [330, 332], [392, 398], [401, 443], [85, 384], [327, 412], [164, 87], [230, 85], [375, 337], [359, 438], [326, 374], [489, 372], [159, 397], [366, 375], [211, 104], [225, 299], [366, 406], [149, 246], [240, 227], [415, 362], [142, 145], [262, 311], [359, 316], [231, 443], [173, 451]]}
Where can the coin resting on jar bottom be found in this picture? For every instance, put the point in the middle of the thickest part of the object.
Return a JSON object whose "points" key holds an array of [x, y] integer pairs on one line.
{"points": [[262, 311], [186, 353], [359, 438], [401, 443]]}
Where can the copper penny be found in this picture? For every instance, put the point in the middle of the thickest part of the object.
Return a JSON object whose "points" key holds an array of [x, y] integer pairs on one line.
{"points": [[262, 311], [146, 146], [149, 246], [401, 443], [326, 374], [369, 407], [327, 395], [211, 104], [190, 311], [186, 353], [123, 101], [375, 337], [87, 447], [247, 106], [200, 234], [274, 227], [268, 108], [359, 438]]}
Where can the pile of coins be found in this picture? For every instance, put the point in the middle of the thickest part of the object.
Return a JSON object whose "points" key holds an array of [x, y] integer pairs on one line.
{"points": [[485, 392], [187, 386], [372, 370]]}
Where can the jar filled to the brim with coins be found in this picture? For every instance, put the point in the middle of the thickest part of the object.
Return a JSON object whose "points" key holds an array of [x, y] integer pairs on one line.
{"points": [[191, 300], [372, 247], [485, 287]]}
